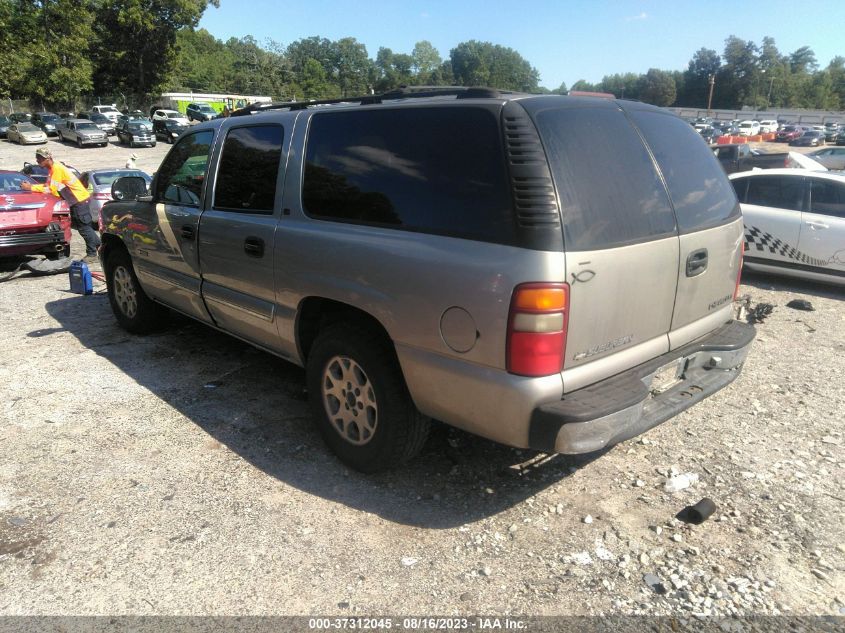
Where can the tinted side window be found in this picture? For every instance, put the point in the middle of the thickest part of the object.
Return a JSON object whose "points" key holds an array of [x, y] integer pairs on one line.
{"points": [[609, 190], [434, 170], [249, 167], [700, 190], [181, 175], [781, 192], [828, 198], [740, 186]]}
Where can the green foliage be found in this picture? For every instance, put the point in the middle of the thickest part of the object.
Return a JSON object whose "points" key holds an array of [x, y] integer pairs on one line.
{"points": [[484, 64], [56, 52], [657, 87]]}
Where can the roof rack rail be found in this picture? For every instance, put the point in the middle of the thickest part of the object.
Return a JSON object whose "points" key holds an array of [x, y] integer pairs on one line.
{"points": [[403, 92]]}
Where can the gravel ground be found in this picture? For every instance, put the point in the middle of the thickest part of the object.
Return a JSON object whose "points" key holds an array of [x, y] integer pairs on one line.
{"points": [[179, 474]]}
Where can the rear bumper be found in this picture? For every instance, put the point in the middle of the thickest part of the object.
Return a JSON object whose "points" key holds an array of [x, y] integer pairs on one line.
{"points": [[624, 406]]}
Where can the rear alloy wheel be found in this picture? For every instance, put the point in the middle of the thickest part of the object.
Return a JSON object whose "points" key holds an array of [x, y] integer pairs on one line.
{"points": [[359, 399], [134, 310]]}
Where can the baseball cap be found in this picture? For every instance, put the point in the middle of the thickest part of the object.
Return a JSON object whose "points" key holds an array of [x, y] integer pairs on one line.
{"points": [[43, 152]]}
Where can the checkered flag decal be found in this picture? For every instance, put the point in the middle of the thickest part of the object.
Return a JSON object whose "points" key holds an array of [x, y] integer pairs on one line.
{"points": [[762, 241]]}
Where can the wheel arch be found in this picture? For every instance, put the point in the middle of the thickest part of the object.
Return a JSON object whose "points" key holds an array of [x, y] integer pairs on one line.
{"points": [[109, 243], [316, 313]]}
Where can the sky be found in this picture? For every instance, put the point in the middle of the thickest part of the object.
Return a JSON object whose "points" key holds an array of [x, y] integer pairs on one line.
{"points": [[565, 40]]}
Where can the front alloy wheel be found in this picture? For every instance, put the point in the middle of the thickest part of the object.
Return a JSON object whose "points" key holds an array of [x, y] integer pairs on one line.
{"points": [[126, 298], [133, 309]]}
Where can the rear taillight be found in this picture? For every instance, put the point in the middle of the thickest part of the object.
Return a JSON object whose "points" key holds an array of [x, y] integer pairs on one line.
{"points": [[60, 207], [537, 323], [739, 270]]}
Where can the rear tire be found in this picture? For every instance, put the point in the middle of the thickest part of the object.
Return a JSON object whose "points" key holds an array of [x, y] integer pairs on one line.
{"points": [[134, 310], [360, 401]]}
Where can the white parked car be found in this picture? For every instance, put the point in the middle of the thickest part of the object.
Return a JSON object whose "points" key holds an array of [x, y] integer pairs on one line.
{"points": [[173, 115], [768, 126], [794, 222], [749, 128]]}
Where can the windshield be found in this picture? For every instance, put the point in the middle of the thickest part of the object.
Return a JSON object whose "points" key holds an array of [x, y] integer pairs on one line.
{"points": [[136, 127], [27, 127], [174, 115], [86, 126], [12, 182], [205, 108], [170, 123], [108, 109]]}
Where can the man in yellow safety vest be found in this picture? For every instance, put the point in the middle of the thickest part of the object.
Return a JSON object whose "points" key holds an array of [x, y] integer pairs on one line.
{"points": [[63, 183]]}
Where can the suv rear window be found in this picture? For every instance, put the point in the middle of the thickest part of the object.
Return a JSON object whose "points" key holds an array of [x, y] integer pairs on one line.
{"points": [[433, 170], [701, 192], [610, 192]]}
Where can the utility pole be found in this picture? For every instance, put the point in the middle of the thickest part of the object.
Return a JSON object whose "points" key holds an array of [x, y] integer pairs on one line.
{"points": [[712, 80], [769, 96]]}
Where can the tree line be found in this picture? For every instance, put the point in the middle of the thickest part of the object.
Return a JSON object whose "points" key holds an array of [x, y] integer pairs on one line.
{"points": [[59, 52]]}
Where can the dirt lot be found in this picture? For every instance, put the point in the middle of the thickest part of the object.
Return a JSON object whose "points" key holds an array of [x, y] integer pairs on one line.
{"points": [[179, 474]]}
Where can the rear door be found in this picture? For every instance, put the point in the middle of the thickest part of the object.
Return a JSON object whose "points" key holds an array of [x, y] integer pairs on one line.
{"points": [[237, 231], [620, 237], [709, 223], [771, 209], [822, 238]]}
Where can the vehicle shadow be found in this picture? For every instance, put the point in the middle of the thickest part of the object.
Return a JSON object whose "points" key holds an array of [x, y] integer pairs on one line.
{"points": [[256, 405], [765, 281]]}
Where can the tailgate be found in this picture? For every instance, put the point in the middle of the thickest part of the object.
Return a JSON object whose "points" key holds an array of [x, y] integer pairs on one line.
{"points": [[709, 223]]}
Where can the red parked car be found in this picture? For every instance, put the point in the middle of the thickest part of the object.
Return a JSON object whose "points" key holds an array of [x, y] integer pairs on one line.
{"points": [[31, 223], [789, 133]]}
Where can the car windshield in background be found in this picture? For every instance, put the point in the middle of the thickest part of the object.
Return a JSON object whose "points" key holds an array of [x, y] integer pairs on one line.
{"points": [[109, 109], [27, 127], [171, 123], [136, 127], [12, 182], [100, 118], [86, 126], [174, 115], [108, 177]]}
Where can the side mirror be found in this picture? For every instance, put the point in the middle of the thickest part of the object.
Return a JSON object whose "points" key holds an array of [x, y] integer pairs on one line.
{"points": [[129, 188]]}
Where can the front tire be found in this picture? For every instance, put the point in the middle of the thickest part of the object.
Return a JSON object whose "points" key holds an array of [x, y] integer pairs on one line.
{"points": [[134, 310], [360, 401]]}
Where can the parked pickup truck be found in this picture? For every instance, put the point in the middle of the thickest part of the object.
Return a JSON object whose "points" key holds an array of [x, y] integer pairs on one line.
{"points": [[740, 157]]}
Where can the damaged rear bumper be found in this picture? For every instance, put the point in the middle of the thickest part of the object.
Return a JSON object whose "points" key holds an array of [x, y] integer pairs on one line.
{"points": [[630, 403]]}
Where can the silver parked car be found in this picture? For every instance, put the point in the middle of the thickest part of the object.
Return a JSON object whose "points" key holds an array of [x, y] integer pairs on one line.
{"points": [[830, 157], [25, 134], [82, 132], [550, 272], [99, 182]]}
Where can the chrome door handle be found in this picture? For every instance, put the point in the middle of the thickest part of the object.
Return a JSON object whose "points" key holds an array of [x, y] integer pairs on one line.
{"points": [[817, 225]]}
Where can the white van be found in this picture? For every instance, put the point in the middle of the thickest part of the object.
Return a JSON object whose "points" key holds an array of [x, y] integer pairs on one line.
{"points": [[749, 128]]}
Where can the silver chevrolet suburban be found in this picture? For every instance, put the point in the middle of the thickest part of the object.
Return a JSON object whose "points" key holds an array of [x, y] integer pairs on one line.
{"points": [[549, 272]]}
